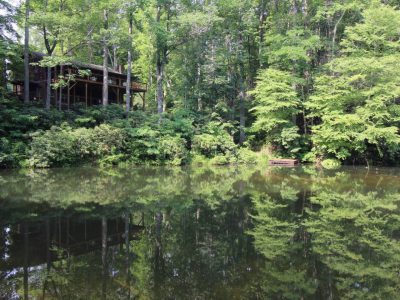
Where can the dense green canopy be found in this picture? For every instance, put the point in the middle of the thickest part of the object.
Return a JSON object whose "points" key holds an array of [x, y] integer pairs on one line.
{"points": [[308, 79]]}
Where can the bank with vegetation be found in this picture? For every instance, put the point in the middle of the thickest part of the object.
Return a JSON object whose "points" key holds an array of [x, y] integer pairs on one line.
{"points": [[312, 80], [108, 136]]}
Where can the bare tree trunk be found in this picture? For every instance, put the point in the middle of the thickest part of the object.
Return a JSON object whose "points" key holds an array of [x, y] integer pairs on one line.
{"points": [[105, 61], [48, 88], [230, 76], [61, 75], [261, 29], [115, 58], [61, 89], [293, 8], [160, 82], [335, 32], [304, 7], [129, 71], [242, 119], [199, 102], [3, 78], [90, 45], [50, 49], [160, 69], [26, 53]]}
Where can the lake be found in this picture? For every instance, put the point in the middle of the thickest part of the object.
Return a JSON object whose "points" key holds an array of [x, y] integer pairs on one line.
{"points": [[246, 232]]}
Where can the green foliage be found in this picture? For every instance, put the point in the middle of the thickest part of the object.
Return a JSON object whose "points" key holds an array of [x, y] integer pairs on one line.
{"points": [[156, 146], [326, 87], [53, 147], [173, 150], [12, 152], [353, 233], [108, 136], [331, 164], [214, 140], [276, 108], [63, 145], [220, 160], [356, 99], [294, 49], [246, 156]]}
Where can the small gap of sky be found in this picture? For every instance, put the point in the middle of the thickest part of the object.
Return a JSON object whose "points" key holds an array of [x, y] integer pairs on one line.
{"points": [[14, 3]]}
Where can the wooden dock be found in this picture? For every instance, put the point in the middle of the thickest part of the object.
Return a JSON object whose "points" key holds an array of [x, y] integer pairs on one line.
{"points": [[283, 162]]}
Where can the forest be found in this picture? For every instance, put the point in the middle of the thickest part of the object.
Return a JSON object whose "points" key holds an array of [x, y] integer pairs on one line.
{"points": [[228, 82]]}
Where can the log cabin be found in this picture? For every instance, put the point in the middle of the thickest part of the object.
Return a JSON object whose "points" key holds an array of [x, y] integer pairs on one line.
{"points": [[83, 90]]}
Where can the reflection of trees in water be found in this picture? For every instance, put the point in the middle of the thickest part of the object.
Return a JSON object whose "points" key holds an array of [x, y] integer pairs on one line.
{"points": [[344, 244], [216, 233], [189, 250], [68, 256]]}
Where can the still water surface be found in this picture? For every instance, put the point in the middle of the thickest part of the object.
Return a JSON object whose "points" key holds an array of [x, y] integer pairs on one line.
{"points": [[200, 233]]}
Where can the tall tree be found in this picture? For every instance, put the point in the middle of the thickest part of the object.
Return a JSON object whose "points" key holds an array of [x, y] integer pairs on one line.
{"points": [[129, 71], [8, 44], [356, 97], [47, 19], [26, 52], [105, 58], [163, 7]]}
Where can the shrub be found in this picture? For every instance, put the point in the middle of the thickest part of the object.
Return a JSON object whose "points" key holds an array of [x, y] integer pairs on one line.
{"points": [[214, 141], [331, 164], [54, 147], [199, 160], [112, 160], [12, 153], [220, 160], [173, 150], [246, 156], [63, 145], [100, 141], [143, 144]]}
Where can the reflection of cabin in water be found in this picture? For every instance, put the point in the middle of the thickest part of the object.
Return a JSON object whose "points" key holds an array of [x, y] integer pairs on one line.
{"points": [[37, 242], [83, 89]]}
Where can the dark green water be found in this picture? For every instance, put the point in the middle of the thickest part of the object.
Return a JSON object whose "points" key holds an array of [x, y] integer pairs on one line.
{"points": [[200, 233]]}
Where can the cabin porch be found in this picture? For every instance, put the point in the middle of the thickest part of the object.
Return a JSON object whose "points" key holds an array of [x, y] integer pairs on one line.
{"points": [[80, 89]]}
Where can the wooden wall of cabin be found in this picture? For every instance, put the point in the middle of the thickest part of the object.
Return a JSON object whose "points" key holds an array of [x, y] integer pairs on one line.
{"points": [[83, 91]]}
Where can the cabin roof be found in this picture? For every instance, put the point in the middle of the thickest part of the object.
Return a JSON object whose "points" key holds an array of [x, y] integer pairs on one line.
{"points": [[80, 64]]}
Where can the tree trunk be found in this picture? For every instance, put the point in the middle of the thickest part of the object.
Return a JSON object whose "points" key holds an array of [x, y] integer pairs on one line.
{"points": [[242, 119], [105, 61], [3, 78], [115, 58], [293, 8], [159, 68], [304, 7], [129, 71], [50, 49], [160, 82], [48, 88], [199, 102], [26, 53], [61, 89], [261, 29], [335, 32]]}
